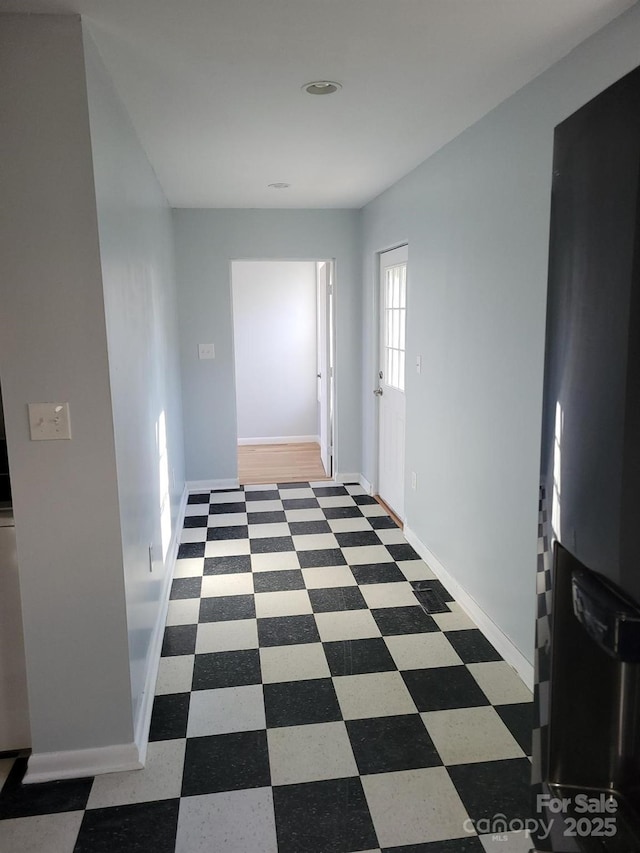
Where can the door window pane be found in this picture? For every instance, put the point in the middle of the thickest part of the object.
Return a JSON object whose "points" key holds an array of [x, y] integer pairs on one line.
{"points": [[394, 325]]}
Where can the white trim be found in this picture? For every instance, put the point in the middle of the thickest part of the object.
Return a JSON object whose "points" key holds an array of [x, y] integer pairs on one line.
{"points": [[281, 439], [78, 763], [366, 485], [346, 478], [211, 485], [143, 721], [492, 632]]}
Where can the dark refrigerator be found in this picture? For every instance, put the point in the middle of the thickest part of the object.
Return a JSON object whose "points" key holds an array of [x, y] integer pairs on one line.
{"points": [[586, 745]]}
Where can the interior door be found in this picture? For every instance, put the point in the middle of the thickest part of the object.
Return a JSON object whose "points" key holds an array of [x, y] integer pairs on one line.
{"points": [[391, 387], [325, 368]]}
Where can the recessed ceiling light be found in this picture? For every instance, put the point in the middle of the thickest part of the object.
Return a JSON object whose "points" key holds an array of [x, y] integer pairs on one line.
{"points": [[279, 186], [322, 87]]}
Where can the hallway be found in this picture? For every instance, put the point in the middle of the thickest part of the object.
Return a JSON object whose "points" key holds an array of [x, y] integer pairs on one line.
{"points": [[304, 701]]}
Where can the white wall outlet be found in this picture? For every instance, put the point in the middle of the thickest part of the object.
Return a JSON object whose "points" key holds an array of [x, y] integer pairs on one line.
{"points": [[206, 351], [49, 421], [414, 480], [418, 364]]}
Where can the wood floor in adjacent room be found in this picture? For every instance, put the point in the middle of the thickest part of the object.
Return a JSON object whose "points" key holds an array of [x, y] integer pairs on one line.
{"points": [[279, 463]]}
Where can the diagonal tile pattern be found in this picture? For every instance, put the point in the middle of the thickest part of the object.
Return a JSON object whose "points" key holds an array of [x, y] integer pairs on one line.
{"points": [[305, 701]]}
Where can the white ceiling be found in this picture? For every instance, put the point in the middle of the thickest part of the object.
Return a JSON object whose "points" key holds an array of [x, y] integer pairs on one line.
{"points": [[213, 87]]}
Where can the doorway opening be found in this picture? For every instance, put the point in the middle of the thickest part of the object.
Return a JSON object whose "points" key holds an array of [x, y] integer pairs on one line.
{"points": [[283, 349], [15, 730]]}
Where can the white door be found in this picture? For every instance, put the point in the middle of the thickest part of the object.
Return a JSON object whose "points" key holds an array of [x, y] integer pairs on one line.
{"points": [[390, 391], [325, 367]]}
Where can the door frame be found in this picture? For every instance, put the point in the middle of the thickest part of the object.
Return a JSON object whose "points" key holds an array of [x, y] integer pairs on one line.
{"points": [[326, 362], [377, 322], [331, 333]]}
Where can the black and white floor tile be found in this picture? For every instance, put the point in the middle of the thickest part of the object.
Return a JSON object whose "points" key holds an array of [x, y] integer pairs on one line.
{"points": [[305, 702]]}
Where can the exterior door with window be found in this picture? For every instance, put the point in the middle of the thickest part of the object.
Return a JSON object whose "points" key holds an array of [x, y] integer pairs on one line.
{"points": [[391, 387]]}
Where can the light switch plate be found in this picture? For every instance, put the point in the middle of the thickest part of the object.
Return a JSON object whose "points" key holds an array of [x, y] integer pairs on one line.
{"points": [[49, 421], [206, 351]]}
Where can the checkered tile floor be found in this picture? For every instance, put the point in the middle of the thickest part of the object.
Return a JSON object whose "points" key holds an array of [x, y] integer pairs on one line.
{"points": [[305, 703]]}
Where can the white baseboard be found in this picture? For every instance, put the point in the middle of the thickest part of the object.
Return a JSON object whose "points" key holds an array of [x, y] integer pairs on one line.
{"points": [[346, 478], [79, 763], [491, 631], [366, 485], [282, 439], [355, 478], [143, 722], [211, 485]]}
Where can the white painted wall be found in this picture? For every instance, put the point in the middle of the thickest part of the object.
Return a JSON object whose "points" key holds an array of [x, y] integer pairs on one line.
{"points": [[89, 317], [274, 322], [206, 242], [136, 253], [53, 347], [476, 218]]}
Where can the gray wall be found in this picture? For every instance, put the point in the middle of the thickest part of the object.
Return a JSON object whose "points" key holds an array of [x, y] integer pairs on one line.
{"points": [[206, 242], [136, 249], [53, 347], [476, 217]]}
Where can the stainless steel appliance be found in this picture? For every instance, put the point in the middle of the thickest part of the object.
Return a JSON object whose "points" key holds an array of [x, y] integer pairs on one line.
{"points": [[587, 696]]}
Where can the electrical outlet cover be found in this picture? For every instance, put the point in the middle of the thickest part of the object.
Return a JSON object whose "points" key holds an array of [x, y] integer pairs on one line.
{"points": [[49, 421], [206, 351]]}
